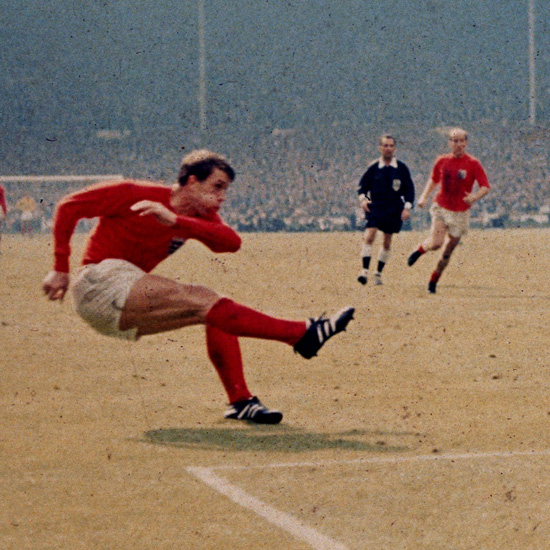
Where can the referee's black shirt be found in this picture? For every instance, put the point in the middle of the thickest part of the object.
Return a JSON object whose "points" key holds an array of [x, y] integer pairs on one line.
{"points": [[388, 187]]}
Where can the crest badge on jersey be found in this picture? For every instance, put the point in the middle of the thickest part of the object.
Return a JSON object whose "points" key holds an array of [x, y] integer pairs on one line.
{"points": [[175, 244], [462, 174], [396, 185]]}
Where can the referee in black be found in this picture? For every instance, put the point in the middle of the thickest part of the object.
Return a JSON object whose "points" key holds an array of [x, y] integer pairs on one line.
{"points": [[386, 194]]}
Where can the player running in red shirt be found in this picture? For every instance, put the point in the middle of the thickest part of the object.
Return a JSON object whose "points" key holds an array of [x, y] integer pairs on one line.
{"points": [[3, 209], [140, 224], [455, 174]]}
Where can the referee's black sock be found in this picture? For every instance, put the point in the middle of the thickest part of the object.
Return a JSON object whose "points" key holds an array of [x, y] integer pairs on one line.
{"points": [[383, 257], [366, 262]]}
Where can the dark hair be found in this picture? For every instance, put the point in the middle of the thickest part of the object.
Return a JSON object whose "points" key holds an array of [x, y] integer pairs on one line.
{"points": [[201, 164], [386, 136]]}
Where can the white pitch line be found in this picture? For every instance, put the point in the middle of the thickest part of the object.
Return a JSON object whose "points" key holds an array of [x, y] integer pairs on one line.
{"points": [[284, 521], [391, 459], [290, 524]]}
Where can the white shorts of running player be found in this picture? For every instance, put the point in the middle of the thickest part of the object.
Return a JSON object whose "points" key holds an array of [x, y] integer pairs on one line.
{"points": [[100, 292], [457, 223]]}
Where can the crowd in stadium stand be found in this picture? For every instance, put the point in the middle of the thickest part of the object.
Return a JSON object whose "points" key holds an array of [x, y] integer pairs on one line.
{"points": [[294, 179]]}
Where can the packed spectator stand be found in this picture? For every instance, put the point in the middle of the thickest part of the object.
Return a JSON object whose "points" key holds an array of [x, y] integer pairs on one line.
{"points": [[291, 179]]}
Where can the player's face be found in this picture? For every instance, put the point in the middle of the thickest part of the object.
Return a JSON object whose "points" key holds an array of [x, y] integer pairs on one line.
{"points": [[458, 142], [202, 197], [387, 148]]}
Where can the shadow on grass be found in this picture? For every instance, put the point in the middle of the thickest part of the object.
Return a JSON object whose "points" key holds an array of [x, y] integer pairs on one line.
{"points": [[269, 438]]}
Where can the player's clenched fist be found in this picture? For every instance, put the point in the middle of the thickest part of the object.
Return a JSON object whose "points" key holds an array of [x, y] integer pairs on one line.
{"points": [[55, 285]]}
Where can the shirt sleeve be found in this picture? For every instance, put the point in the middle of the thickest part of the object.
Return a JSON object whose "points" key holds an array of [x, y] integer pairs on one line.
{"points": [[436, 171], [215, 234], [481, 176], [92, 202], [365, 183], [409, 185], [3, 204]]}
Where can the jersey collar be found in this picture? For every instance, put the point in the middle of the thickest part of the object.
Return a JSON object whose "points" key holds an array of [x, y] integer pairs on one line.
{"points": [[393, 163]]}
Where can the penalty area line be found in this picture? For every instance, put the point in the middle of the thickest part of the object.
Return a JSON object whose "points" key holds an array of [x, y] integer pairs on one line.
{"points": [[436, 457], [300, 530], [284, 521]]}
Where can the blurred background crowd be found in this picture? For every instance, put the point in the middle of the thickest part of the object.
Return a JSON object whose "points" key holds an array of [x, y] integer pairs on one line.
{"points": [[293, 179], [294, 93]]}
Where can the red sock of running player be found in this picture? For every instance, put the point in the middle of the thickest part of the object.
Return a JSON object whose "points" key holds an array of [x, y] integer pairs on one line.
{"points": [[240, 320], [435, 277], [421, 249], [225, 353]]}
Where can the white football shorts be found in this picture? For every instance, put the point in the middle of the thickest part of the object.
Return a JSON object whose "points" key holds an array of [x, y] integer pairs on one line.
{"points": [[100, 292], [457, 223]]}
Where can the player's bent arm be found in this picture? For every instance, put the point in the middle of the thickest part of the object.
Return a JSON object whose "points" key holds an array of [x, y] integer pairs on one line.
{"points": [[216, 235], [474, 197], [151, 208], [428, 190], [65, 221], [482, 191], [97, 200]]}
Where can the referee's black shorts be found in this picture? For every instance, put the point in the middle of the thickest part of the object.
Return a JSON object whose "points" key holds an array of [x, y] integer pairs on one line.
{"points": [[388, 221]]}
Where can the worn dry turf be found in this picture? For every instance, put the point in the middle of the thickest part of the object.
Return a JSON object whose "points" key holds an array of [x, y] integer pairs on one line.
{"points": [[425, 426]]}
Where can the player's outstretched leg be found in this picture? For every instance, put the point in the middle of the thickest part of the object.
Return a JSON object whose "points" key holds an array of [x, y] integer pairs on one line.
{"points": [[253, 410], [307, 338], [320, 330]]}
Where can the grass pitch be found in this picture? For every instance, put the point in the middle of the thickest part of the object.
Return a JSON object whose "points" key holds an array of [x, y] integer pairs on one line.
{"points": [[425, 425]]}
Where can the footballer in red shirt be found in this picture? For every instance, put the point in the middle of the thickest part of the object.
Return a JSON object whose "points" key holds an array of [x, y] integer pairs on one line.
{"points": [[140, 224], [3, 209], [454, 176]]}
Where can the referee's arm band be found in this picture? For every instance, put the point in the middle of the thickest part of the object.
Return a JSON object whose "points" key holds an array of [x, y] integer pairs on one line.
{"points": [[408, 206]]}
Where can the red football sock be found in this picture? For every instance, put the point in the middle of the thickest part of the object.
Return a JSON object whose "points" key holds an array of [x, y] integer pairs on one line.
{"points": [[240, 320], [421, 249], [435, 277], [225, 353]]}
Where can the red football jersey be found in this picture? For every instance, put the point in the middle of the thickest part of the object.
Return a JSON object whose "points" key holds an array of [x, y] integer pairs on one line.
{"points": [[3, 204], [123, 234], [456, 178]]}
